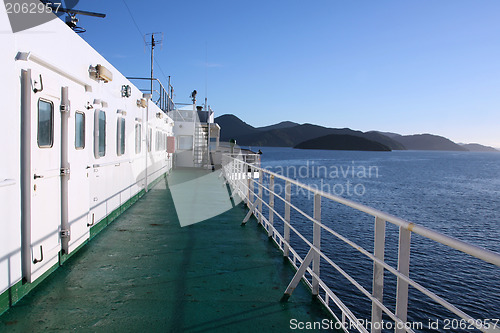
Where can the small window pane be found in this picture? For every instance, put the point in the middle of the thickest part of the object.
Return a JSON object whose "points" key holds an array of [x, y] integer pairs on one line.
{"points": [[79, 130], [150, 138], [100, 134], [45, 124], [138, 138], [185, 142], [120, 136]]}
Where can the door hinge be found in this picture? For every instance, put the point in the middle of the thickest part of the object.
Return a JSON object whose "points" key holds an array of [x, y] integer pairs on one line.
{"points": [[64, 108], [64, 171], [65, 233]]}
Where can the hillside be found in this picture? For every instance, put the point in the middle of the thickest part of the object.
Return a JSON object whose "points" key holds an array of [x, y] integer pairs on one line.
{"points": [[281, 125], [428, 142], [233, 127], [287, 134], [342, 142], [290, 134], [478, 147]]}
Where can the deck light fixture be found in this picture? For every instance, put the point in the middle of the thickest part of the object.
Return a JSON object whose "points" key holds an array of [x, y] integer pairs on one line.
{"points": [[126, 91], [100, 73]]}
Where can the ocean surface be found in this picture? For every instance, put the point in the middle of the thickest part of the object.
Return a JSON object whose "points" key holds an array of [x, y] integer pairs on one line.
{"points": [[455, 193]]}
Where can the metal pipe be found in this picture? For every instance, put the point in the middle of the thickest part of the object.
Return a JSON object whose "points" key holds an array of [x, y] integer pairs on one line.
{"points": [[65, 228], [316, 243], [169, 96], [26, 174], [403, 268], [146, 150], [152, 59], [271, 205], [286, 225], [378, 271]]}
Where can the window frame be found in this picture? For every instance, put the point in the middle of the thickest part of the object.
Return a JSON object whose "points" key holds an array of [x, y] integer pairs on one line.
{"points": [[82, 140], [150, 139], [180, 139], [98, 135], [51, 123], [138, 138], [120, 136]]}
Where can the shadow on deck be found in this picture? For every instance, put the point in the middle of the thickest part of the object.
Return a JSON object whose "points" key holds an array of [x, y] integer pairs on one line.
{"points": [[146, 273]]}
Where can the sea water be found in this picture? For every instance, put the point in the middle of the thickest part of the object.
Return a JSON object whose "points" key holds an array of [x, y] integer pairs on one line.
{"points": [[455, 193]]}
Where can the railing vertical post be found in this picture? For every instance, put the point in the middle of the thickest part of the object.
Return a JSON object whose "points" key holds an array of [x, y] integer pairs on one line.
{"points": [[271, 205], [286, 231], [316, 243], [241, 182], [233, 170], [260, 191], [245, 188], [245, 172], [252, 185], [403, 268], [378, 273]]}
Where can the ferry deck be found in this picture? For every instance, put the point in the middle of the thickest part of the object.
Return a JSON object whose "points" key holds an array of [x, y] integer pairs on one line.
{"points": [[146, 272]]}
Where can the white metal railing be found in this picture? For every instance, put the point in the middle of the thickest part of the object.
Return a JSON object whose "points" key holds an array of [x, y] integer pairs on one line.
{"points": [[163, 97], [241, 176]]}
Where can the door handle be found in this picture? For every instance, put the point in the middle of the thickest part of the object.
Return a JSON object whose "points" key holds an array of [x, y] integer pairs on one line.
{"points": [[37, 176], [35, 261]]}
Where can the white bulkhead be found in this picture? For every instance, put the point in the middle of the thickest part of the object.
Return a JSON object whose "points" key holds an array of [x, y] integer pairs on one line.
{"points": [[75, 148]]}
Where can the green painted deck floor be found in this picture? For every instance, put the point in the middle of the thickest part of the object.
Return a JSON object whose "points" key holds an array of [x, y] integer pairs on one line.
{"points": [[146, 273]]}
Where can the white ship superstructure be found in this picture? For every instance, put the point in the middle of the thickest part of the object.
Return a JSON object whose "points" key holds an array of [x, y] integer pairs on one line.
{"points": [[80, 143]]}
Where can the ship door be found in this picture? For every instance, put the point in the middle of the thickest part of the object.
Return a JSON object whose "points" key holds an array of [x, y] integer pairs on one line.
{"points": [[45, 180], [76, 169]]}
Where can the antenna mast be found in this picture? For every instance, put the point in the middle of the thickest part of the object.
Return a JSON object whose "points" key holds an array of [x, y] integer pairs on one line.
{"points": [[153, 39]]}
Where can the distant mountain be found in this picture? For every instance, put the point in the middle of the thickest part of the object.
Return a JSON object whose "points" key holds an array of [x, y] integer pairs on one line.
{"points": [[287, 134], [283, 124], [427, 142], [285, 137], [389, 134], [478, 147], [385, 139], [233, 127], [342, 142], [290, 134]]}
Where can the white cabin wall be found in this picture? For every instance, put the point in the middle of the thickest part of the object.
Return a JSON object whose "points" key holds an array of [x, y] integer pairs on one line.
{"points": [[96, 186], [10, 211], [184, 158]]}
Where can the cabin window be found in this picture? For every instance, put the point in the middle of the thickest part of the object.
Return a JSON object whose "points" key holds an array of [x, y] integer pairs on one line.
{"points": [[45, 136], [150, 139], [99, 134], [120, 136], [185, 142], [79, 130], [157, 141], [138, 138]]}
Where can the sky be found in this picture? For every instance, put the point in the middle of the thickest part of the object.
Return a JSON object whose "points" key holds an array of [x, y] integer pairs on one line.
{"points": [[410, 67]]}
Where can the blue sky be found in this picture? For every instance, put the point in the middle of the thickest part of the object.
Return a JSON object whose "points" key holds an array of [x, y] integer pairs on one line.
{"points": [[401, 66]]}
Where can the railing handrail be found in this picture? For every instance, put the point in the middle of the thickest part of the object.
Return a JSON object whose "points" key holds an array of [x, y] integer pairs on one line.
{"points": [[406, 228], [162, 93], [473, 250]]}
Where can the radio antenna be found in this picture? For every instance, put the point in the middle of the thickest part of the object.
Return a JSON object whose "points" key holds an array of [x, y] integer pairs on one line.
{"points": [[206, 75], [71, 19], [153, 39]]}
